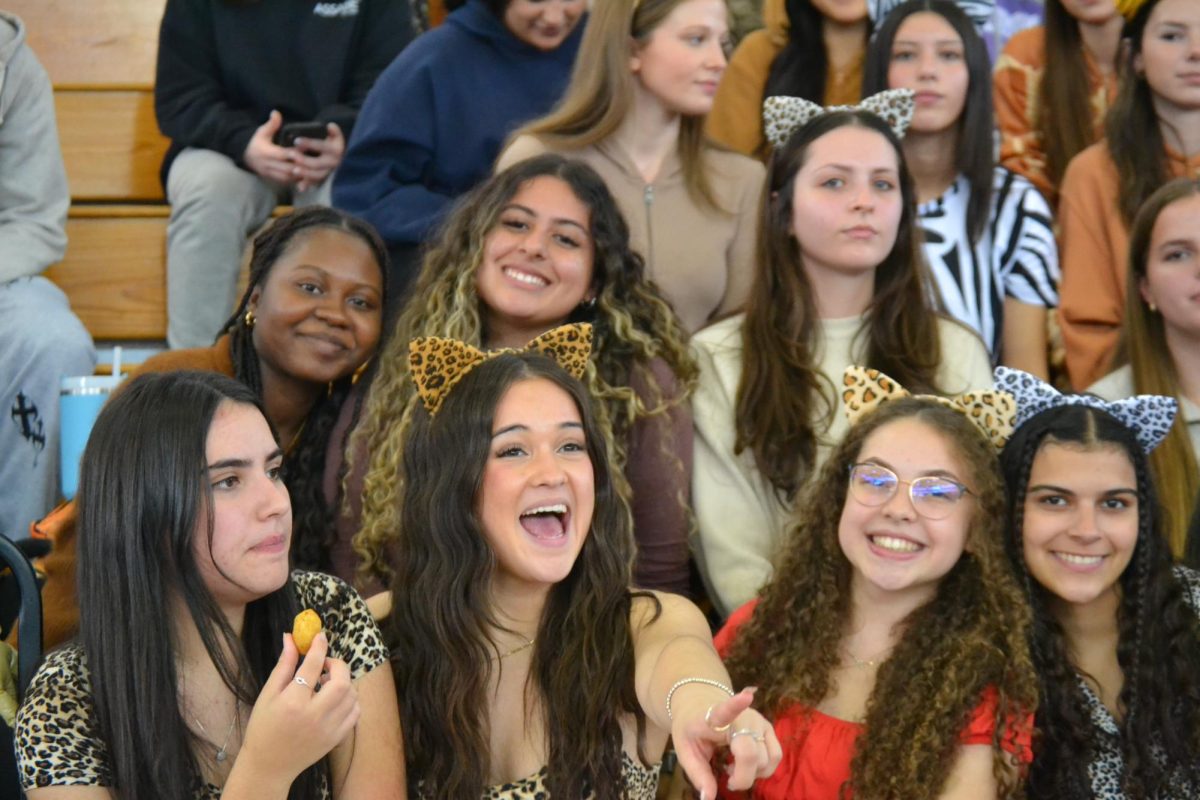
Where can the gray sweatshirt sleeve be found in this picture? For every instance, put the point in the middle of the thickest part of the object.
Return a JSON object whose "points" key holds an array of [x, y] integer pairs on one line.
{"points": [[33, 182]]}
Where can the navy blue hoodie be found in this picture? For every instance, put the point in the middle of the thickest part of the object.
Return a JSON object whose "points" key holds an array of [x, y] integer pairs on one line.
{"points": [[435, 121]]}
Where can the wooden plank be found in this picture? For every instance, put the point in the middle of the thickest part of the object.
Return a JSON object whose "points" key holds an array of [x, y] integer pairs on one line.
{"points": [[110, 43], [110, 210], [111, 144], [115, 276]]}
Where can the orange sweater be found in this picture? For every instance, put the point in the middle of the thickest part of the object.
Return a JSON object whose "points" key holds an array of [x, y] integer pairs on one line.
{"points": [[1094, 253], [1017, 92], [736, 118]]}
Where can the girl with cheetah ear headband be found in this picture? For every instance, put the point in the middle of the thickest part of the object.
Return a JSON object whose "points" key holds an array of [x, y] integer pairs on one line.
{"points": [[1116, 638]]}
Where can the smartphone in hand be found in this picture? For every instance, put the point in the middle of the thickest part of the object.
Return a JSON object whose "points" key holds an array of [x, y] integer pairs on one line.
{"points": [[287, 135]]}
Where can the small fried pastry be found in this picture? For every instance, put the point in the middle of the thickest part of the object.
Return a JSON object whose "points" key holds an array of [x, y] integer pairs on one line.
{"points": [[304, 629]]}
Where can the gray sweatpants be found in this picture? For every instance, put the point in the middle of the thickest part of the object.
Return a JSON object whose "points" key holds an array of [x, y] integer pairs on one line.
{"points": [[215, 207], [42, 342]]}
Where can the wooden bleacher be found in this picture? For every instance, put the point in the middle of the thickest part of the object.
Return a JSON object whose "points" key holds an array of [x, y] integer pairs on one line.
{"points": [[101, 59]]}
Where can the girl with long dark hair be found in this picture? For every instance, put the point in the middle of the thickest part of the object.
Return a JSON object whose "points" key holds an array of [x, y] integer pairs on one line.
{"points": [[527, 666], [1053, 84], [1115, 635], [841, 280], [1152, 134], [184, 681], [988, 234]]}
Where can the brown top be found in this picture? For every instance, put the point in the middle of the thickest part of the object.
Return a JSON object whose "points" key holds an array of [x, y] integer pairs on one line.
{"points": [[1094, 249], [1017, 92]]}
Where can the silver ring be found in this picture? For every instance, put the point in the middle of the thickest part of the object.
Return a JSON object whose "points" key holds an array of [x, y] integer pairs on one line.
{"points": [[755, 735], [301, 681]]}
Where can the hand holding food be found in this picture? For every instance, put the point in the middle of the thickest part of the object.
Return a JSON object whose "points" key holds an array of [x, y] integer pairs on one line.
{"points": [[305, 627]]}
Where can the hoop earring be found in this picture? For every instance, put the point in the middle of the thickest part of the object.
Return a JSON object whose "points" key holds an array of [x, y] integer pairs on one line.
{"points": [[249, 319]]}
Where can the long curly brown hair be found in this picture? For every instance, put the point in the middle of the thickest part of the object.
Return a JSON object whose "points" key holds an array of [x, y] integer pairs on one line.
{"points": [[632, 326], [970, 636]]}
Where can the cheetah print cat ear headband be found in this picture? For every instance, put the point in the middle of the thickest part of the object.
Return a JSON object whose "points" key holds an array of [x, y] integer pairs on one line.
{"points": [[992, 411], [437, 364], [783, 115], [1148, 416]]}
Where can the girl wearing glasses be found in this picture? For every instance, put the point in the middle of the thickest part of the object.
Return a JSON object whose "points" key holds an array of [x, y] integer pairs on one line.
{"points": [[1115, 636], [889, 649]]}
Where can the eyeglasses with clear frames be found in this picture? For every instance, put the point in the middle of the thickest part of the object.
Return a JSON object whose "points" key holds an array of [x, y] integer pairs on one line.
{"points": [[933, 496]]}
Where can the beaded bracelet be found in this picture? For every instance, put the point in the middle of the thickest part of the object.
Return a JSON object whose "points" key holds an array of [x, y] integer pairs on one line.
{"points": [[684, 681]]}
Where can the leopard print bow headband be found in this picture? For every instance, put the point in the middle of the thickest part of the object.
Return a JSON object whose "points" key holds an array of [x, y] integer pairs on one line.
{"points": [[991, 410], [1148, 416], [437, 364], [783, 115]]}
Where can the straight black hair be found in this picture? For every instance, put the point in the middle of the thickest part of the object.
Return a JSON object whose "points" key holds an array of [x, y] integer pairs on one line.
{"points": [[142, 502]]}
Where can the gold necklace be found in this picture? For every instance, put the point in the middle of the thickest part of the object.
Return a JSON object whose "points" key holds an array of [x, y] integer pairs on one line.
{"points": [[517, 649], [864, 664]]}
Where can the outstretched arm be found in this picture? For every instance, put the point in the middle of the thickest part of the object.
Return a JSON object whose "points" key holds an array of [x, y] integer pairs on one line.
{"points": [[679, 680]]}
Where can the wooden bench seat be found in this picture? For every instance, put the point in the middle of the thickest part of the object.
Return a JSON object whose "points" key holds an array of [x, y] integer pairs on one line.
{"points": [[111, 144]]}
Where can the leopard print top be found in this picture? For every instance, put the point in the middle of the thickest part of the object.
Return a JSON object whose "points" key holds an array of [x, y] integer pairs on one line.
{"points": [[1107, 766], [641, 783], [57, 740]]}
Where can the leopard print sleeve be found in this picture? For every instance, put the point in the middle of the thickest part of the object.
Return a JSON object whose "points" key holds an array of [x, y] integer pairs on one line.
{"points": [[57, 740], [353, 635]]}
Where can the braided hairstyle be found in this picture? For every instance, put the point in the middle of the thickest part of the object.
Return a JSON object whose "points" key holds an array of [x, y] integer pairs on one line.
{"points": [[312, 519], [1158, 649]]}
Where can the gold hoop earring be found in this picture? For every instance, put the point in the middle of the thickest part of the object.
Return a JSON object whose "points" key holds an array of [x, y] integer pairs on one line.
{"points": [[249, 318]]}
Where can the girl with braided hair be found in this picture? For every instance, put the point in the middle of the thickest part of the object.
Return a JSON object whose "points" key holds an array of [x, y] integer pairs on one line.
{"points": [[309, 321], [541, 244], [1115, 635]]}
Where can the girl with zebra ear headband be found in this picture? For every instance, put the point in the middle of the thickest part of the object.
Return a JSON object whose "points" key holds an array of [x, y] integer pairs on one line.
{"points": [[1116, 638]]}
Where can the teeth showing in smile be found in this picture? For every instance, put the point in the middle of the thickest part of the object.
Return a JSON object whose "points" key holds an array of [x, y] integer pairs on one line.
{"points": [[1082, 561], [546, 522], [558, 508], [525, 277], [895, 544]]}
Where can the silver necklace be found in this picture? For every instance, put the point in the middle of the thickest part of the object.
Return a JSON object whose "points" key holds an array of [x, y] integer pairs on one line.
{"points": [[223, 752]]}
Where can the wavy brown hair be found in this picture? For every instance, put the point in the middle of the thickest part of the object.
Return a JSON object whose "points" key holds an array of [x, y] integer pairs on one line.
{"points": [[1159, 637], [581, 678], [782, 399], [1132, 128], [600, 95], [1144, 348], [1064, 112], [631, 327], [969, 637]]}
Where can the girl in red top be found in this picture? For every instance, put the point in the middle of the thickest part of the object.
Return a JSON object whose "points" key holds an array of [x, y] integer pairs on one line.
{"points": [[889, 648]]}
